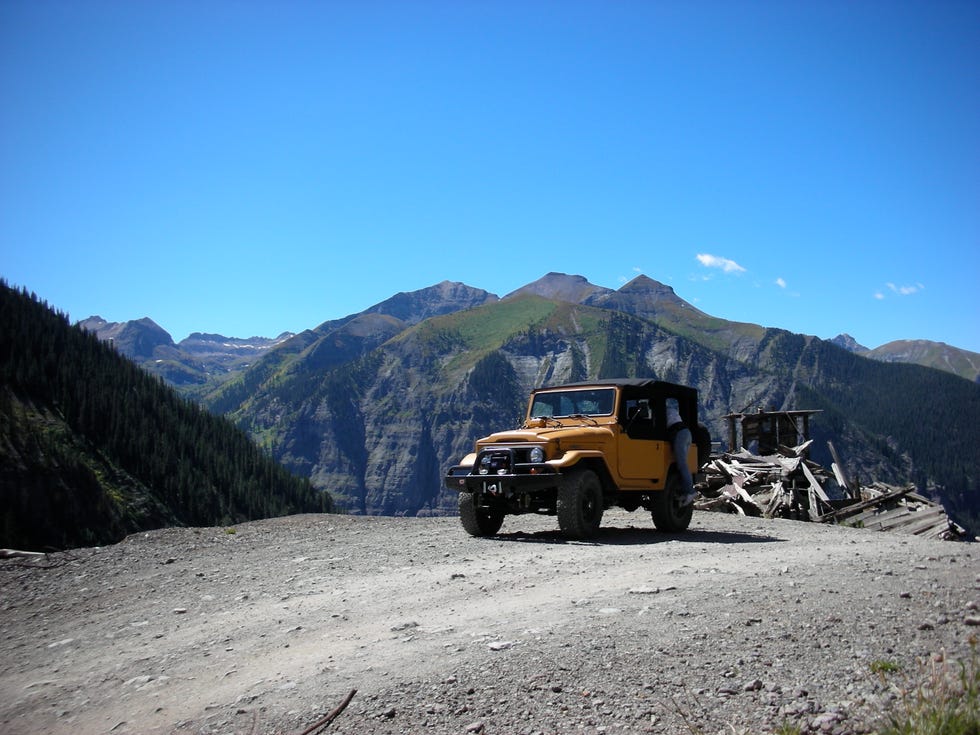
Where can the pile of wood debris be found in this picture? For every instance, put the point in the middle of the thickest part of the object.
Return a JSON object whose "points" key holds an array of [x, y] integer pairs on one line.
{"points": [[789, 485]]}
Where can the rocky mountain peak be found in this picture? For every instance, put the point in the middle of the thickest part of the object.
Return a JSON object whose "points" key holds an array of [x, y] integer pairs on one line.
{"points": [[443, 298], [644, 297], [137, 339], [94, 323], [848, 343], [648, 287], [561, 287]]}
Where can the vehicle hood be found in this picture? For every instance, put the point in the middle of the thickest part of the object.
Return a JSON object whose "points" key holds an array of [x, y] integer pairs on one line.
{"points": [[562, 434]]}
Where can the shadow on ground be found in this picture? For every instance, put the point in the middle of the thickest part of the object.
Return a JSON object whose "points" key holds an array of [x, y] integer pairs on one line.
{"points": [[632, 536]]}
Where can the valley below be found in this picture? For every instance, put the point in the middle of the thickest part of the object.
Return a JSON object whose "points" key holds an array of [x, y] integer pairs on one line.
{"points": [[738, 625]]}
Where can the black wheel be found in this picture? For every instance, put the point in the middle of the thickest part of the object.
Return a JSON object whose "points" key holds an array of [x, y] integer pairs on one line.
{"points": [[580, 504], [478, 521], [668, 513]]}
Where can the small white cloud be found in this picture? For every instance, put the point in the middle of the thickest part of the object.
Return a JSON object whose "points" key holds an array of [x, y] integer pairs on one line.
{"points": [[781, 282], [905, 290], [716, 261], [879, 295]]}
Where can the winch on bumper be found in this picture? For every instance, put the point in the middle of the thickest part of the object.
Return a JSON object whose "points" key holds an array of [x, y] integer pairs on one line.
{"points": [[503, 471]]}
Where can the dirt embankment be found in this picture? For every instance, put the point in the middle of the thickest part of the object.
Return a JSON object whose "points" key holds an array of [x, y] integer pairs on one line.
{"points": [[739, 625]]}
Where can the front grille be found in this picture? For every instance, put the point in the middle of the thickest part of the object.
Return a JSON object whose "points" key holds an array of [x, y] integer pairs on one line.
{"points": [[495, 462]]}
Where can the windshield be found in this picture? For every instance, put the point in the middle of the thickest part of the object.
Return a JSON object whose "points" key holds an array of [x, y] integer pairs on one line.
{"points": [[588, 402]]}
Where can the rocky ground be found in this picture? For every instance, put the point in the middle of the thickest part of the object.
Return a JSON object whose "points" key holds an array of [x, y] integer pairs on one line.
{"points": [[739, 625]]}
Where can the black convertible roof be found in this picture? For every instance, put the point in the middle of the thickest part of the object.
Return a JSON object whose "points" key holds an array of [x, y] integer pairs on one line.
{"points": [[649, 383], [638, 388]]}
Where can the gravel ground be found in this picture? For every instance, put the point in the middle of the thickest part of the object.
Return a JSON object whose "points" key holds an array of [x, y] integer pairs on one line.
{"points": [[739, 625]]}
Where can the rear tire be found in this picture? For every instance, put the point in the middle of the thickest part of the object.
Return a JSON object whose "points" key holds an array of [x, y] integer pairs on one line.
{"points": [[580, 504], [668, 513], [478, 521]]}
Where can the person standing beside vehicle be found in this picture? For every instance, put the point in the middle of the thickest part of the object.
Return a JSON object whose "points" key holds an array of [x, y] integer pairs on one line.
{"points": [[679, 436]]}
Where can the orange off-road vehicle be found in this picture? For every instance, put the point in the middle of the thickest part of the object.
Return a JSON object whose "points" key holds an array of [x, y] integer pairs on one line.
{"points": [[582, 448]]}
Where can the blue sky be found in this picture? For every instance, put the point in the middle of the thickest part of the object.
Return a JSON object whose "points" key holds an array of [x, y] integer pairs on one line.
{"points": [[249, 168]]}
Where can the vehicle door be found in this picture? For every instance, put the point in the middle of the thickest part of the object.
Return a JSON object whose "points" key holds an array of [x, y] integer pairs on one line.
{"points": [[641, 452]]}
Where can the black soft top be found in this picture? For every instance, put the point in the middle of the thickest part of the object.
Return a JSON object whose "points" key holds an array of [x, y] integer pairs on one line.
{"points": [[659, 386], [645, 388]]}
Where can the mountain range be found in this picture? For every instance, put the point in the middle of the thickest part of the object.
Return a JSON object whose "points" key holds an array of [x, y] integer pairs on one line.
{"points": [[199, 363], [194, 361], [374, 406]]}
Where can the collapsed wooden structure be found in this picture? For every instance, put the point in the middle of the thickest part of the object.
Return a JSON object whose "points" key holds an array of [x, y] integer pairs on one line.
{"points": [[783, 482]]}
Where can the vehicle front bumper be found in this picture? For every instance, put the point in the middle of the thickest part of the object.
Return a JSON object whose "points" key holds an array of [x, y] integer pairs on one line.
{"points": [[537, 478]]}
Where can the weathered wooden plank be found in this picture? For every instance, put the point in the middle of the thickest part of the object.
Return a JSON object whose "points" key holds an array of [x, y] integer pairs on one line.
{"points": [[939, 523], [775, 500], [722, 468], [813, 511], [911, 517], [770, 485], [789, 464], [814, 483], [944, 531], [837, 468], [801, 448], [897, 519], [862, 518], [853, 510], [744, 496], [922, 499]]}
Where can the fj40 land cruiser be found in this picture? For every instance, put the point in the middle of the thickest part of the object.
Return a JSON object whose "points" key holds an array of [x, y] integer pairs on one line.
{"points": [[583, 447]]}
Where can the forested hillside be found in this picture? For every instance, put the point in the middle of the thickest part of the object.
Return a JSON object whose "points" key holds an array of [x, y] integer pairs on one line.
{"points": [[92, 447], [919, 421]]}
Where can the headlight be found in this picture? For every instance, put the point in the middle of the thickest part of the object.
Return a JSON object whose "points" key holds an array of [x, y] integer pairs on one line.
{"points": [[537, 455]]}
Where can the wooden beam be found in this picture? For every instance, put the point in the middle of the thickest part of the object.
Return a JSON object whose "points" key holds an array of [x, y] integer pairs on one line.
{"points": [[814, 483], [852, 510], [838, 467]]}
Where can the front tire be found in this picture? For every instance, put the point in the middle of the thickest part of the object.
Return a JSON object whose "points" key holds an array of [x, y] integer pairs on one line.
{"points": [[580, 504], [668, 513], [478, 521]]}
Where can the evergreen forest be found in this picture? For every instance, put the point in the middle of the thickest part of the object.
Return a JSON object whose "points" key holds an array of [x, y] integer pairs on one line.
{"points": [[93, 448]]}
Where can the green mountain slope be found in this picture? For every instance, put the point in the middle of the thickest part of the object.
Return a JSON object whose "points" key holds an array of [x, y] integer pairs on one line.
{"points": [[379, 426], [908, 422], [373, 407], [341, 340], [92, 447], [937, 355], [380, 430]]}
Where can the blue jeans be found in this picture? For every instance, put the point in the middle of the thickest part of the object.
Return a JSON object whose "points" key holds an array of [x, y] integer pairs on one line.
{"points": [[682, 442]]}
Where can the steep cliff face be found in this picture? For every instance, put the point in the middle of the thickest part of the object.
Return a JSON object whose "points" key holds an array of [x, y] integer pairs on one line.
{"points": [[376, 406], [379, 432]]}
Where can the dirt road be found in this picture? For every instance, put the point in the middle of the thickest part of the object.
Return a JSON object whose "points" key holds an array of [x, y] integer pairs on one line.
{"points": [[738, 625]]}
